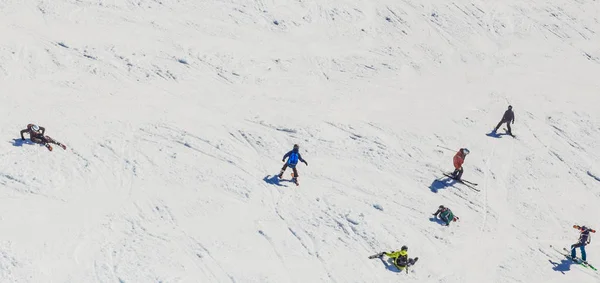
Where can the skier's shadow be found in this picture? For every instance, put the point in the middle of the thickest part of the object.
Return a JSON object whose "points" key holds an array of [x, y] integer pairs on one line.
{"points": [[274, 180], [564, 265], [437, 220], [389, 265], [20, 142], [496, 135], [439, 184]]}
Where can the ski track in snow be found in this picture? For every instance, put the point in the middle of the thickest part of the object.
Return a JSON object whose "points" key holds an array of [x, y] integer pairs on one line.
{"points": [[176, 114]]}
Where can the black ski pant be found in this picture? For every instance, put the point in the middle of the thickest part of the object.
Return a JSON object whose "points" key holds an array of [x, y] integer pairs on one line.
{"points": [[40, 139], [507, 126], [403, 265], [458, 173], [285, 166]]}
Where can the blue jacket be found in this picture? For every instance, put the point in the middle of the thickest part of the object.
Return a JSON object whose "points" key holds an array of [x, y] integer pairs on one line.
{"points": [[294, 156]]}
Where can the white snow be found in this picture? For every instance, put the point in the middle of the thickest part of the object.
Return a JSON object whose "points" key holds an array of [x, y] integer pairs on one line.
{"points": [[176, 115]]}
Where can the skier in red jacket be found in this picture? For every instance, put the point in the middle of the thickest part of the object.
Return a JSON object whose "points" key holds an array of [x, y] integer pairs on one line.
{"points": [[459, 159]]}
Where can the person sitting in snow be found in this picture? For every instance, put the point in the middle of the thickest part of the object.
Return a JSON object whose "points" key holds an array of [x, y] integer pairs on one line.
{"points": [[36, 135], [445, 214], [400, 258]]}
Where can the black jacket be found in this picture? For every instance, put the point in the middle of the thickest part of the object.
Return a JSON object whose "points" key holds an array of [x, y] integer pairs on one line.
{"points": [[509, 116]]}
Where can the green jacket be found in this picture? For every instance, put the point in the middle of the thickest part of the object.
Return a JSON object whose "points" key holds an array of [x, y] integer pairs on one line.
{"points": [[447, 216]]}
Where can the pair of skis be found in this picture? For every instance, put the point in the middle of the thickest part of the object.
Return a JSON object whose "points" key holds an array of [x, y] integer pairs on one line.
{"points": [[49, 147], [576, 260], [510, 134], [51, 140], [294, 179], [469, 184]]}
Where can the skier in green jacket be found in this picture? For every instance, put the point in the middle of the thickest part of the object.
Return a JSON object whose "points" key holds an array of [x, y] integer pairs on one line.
{"points": [[446, 215]]}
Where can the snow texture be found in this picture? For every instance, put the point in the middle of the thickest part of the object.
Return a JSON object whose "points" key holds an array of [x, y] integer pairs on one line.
{"points": [[176, 115]]}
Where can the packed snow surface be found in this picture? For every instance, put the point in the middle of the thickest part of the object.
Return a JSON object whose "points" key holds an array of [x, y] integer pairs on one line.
{"points": [[176, 115]]}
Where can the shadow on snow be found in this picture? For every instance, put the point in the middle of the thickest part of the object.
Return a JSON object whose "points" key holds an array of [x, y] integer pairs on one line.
{"points": [[564, 265], [389, 265], [20, 142], [496, 135], [437, 220], [274, 180], [439, 184]]}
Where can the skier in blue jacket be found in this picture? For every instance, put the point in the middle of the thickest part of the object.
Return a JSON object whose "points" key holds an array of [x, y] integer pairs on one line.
{"points": [[293, 156]]}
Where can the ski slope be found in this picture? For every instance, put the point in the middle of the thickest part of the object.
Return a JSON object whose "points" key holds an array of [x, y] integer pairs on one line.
{"points": [[176, 115]]}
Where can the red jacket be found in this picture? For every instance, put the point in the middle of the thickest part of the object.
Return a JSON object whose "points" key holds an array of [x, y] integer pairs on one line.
{"points": [[459, 159]]}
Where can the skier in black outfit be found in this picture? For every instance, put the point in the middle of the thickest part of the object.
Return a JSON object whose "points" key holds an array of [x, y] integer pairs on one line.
{"points": [[36, 135], [508, 118]]}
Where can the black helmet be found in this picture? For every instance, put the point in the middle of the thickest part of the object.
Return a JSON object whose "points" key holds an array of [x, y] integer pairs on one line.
{"points": [[296, 146], [404, 248], [509, 107], [441, 206]]}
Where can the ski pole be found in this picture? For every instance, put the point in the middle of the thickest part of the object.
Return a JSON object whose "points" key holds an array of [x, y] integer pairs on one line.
{"points": [[445, 148]]}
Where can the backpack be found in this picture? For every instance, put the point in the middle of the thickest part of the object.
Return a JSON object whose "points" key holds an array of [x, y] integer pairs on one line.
{"points": [[293, 159]]}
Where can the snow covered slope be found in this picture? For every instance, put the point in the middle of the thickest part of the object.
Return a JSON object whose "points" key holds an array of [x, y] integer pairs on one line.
{"points": [[176, 115]]}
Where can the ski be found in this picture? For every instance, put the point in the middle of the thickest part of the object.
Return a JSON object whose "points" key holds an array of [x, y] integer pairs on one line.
{"points": [[49, 146], [377, 255], [51, 140], [464, 182], [469, 182], [449, 175], [579, 261], [510, 134], [575, 260]]}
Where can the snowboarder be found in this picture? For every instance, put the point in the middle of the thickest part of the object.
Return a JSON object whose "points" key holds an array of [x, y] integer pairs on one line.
{"points": [[584, 240], [445, 214], [293, 156], [508, 118], [400, 258], [459, 159], [36, 135]]}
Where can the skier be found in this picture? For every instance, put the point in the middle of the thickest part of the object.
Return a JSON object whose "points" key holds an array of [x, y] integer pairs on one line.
{"points": [[36, 135], [508, 118], [445, 214], [459, 159], [400, 258], [293, 156], [584, 239]]}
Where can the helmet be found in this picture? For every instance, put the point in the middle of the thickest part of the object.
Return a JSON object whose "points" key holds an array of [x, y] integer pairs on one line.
{"points": [[509, 107], [296, 146], [441, 206], [35, 128], [404, 248], [465, 151]]}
